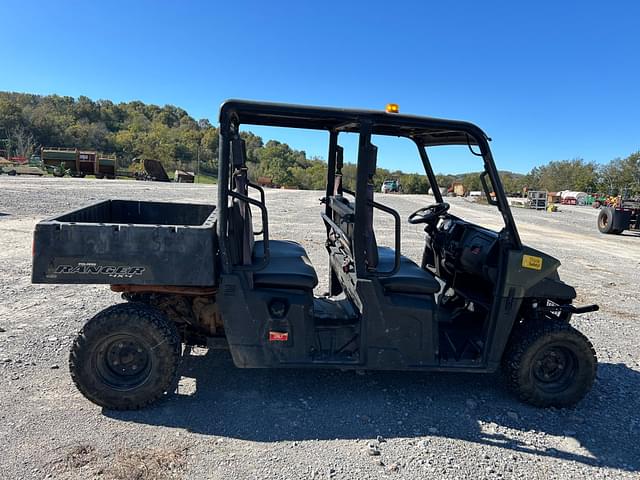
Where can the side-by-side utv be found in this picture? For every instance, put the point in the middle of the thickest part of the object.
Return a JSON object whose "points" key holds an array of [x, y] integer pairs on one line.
{"points": [[199, 274]]}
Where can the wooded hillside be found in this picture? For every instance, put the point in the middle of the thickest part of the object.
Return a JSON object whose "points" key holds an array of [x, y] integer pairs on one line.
{"points": [[169, 134]]}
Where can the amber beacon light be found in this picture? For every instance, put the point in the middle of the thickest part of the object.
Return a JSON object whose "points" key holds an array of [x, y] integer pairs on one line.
{"points": [[392, 108]]}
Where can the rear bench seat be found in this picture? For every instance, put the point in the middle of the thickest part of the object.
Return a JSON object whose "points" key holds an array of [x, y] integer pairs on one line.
{"points": [[289, 266]]}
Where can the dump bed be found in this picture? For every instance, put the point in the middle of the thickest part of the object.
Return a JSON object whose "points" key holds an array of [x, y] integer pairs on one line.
{"points": [[128, 242]]}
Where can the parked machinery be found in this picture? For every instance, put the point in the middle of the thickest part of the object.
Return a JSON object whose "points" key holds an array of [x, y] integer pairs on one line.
{"points": [[619, 214], [78, 163], [106, 166], [537, 199]]}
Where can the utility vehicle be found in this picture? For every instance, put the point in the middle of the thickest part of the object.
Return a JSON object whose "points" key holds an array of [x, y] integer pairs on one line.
{"points": [[197, 274], [391, 185]]}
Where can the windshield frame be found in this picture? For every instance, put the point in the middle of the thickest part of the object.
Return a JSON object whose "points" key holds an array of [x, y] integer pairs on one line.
{"points": [[510, 232]]}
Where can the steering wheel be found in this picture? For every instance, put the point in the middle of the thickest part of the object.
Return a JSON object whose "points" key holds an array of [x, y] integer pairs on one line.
{"points": [[428, 214]]}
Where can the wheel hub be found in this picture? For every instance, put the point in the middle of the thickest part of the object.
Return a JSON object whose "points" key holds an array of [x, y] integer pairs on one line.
{"points": [[551, 366], [126, 357], [554, 368], [123, 361]]}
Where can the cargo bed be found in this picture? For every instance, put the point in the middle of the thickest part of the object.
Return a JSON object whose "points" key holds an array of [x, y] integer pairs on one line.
{"points": [[128, 242]]}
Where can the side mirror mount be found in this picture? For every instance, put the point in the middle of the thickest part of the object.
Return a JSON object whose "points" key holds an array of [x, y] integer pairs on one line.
{"points": [[485, 187]]}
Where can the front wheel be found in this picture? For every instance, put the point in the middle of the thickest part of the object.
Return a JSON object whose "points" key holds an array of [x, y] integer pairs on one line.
{"points": [[126, 357], [549, 363]]}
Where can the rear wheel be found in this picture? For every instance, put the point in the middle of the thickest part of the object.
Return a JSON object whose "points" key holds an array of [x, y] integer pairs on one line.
{"points": [[126, 357], [605, 221], [549, 363]]}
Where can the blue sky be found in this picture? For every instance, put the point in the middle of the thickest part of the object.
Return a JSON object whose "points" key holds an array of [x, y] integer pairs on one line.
{"points": [[546, 80]]}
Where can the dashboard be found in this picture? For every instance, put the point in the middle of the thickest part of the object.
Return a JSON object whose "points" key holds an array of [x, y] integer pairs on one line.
{"points": [[460, 247]]}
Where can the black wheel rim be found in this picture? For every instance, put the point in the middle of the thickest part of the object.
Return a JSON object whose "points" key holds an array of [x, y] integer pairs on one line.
{"points": [[554, 368], [603, 221], [123, 362]]}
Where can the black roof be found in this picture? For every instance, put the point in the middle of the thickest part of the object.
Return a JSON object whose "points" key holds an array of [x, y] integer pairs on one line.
{"points": [[427, 130]]}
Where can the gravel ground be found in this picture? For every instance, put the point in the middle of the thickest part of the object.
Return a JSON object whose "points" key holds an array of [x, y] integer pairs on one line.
{"points": [[230, 423]]}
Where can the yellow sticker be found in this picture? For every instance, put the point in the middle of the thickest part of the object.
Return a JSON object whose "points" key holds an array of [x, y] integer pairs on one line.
{"points": [[534, 263]]}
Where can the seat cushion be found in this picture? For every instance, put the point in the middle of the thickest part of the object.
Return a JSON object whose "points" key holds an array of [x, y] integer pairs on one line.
{"points": [[409, 279], [288, 267], [279, 248]]}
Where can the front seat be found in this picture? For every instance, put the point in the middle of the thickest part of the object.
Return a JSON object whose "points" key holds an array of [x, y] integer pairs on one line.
{"points": [[410, 278]]}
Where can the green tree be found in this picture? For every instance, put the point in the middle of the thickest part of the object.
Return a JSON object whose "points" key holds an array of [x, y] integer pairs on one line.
{"points": [[313, 177], [573, 174], [169, 134], [414, 183], [276, 160]]}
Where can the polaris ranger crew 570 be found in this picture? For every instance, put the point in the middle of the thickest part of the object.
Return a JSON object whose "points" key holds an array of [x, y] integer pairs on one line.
{"points": [[192, 274]]}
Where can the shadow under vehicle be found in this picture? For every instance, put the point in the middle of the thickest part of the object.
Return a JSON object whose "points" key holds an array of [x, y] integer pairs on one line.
{"points": [[297, 405], [196, 274]]}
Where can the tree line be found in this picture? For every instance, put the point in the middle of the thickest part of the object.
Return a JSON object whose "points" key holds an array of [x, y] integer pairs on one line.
{"points": [[135, 130]]}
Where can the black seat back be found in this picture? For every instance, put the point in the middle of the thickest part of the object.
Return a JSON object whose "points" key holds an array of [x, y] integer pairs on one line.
{"points": [[240, 227], [337, 185], [343, 212]]}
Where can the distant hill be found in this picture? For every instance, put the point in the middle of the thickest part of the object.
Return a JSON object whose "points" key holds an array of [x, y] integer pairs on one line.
{"points": [[169, 134]]}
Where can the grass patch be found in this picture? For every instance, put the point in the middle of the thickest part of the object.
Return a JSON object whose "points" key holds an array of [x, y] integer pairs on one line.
{"points": [[79, 456], [146, 464], [83, 461], [206, 179]]}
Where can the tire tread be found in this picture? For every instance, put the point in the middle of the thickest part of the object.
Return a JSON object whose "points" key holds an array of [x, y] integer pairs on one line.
{"points": [[124, 313], [523, 337]]}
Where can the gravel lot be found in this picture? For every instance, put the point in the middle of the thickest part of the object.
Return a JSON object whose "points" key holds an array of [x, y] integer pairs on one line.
{"points": [[230, 423]]}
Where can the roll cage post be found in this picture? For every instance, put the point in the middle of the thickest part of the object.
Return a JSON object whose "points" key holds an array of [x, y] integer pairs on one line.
{"points": [[511, 235], [223, 187], [429, 171], [362, 180], [331, 170]]}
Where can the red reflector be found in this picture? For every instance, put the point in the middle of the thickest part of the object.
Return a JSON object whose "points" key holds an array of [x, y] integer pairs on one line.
{"points": [[278, 336]]}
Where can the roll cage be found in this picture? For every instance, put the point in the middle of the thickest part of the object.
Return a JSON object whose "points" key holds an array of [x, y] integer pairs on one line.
{"points": [[422, 131]]}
